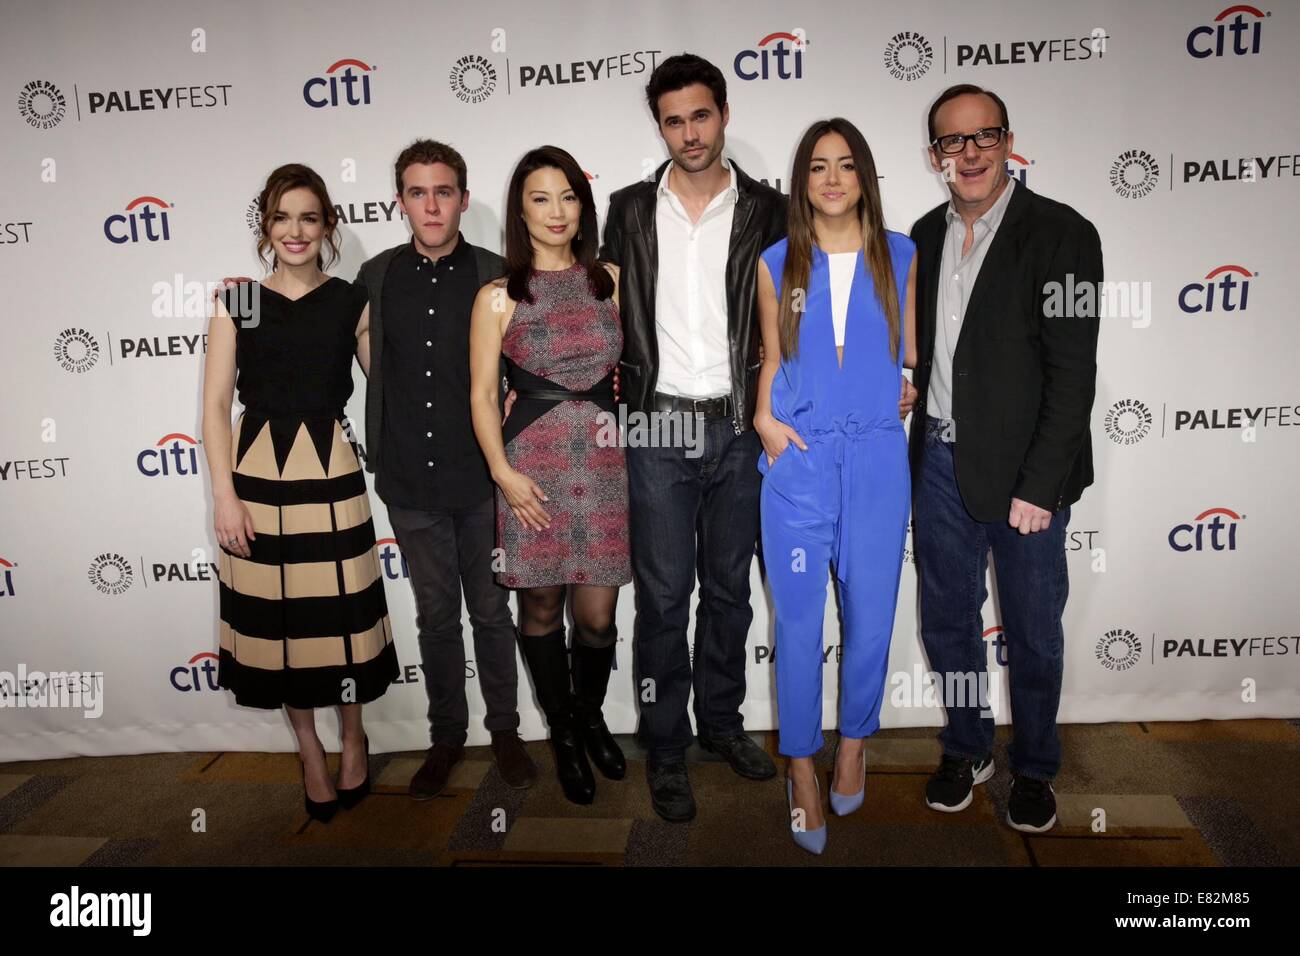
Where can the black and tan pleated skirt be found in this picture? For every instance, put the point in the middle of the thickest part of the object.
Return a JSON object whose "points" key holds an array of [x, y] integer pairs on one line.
{"points": [[304, 621]]}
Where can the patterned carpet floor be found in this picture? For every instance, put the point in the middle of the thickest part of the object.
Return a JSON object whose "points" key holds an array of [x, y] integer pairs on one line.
{"points": [[1206, 793]]}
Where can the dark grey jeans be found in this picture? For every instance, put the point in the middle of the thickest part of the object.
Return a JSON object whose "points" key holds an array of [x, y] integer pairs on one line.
{"points": [[446, 551]]}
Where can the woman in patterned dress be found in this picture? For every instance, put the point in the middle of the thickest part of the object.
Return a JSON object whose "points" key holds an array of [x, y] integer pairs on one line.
{"points": [[304, 622], [562, 482]]}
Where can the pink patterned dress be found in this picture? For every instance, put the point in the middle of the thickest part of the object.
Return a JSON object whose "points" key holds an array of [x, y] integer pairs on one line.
{"points": [[565, 342]]}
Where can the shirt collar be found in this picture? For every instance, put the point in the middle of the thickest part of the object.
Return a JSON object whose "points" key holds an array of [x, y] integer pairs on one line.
{"points": [[418, 258], [993, 217], [731, 192]]}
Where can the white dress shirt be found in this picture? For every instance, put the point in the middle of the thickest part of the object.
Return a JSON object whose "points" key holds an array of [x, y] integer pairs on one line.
{"points": [[957, 275], [691, 293]]}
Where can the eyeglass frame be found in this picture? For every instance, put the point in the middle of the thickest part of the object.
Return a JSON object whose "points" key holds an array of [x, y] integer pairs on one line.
{"points": [[1001, 130]]}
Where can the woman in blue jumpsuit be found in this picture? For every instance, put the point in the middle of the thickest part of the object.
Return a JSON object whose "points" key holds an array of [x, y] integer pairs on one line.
{"points": [[836, 490]]}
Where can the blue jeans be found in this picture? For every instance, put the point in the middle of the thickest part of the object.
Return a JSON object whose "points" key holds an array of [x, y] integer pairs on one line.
{"points": [[690, 516], [1031, 576]]}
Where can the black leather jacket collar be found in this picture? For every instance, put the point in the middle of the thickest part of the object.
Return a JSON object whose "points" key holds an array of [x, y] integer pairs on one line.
{"points": [[631, 243]]}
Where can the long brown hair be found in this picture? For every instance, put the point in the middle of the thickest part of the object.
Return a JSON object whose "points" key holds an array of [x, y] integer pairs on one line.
{"points": [[287, 177], [519, 243], [875, 245]]}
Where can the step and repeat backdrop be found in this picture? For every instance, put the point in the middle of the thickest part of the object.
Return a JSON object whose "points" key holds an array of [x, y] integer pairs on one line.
{"points": [[137, 136]]}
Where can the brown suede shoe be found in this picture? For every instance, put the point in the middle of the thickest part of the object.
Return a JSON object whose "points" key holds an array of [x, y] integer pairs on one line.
{"points": [[516, 767], [431, 778]]}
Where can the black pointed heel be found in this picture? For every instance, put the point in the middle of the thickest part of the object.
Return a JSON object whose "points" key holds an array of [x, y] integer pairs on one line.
{"points": [[350, 797]]}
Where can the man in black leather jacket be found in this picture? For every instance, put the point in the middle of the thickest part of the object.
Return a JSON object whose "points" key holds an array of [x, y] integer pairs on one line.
{"points": [[687, 243]]}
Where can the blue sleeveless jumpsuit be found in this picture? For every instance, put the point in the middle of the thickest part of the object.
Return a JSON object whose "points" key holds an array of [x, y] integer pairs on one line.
{"points": [[844, 502]]}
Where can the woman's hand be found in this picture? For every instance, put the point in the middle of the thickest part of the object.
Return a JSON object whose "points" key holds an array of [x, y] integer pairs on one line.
{"points": [[776, 436], [524, 497], [234, 525]]}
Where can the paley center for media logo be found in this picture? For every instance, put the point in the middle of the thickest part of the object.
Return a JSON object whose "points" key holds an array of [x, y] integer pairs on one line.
{"points": [[111, 573], [1127, 421], [473, 78], [76, 350], [42, 104], [346, 82], [1134, 174], [1236, 31]]}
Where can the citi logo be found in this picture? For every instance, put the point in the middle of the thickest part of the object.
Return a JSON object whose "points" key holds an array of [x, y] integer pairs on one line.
{"points": [[145, 220], [6, 578], [175, 454], [342, 85], [1018, 168], [1208, 530], [392, 560], [997, 641], [199, 673], [1208, 41], [1231, 291], [758, 64]]}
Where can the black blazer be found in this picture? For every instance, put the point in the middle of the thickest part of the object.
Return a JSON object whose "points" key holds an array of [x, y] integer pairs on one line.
{"points": [[631, 242], [1023, 380]]}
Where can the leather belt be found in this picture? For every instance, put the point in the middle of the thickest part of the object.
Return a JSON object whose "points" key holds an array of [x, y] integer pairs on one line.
{"points": [[558, 395], [719, 407]]}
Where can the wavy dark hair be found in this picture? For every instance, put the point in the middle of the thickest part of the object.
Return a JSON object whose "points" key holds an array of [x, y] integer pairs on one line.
{"points": [[282, 180], [519, 243], [683, 70], [801, 235]]}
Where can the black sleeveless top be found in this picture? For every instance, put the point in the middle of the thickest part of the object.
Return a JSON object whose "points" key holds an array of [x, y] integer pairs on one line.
{"points": [[294, 356]]}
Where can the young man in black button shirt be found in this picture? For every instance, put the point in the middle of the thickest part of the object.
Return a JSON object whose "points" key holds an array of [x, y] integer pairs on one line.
{"points": [[427, 464]]}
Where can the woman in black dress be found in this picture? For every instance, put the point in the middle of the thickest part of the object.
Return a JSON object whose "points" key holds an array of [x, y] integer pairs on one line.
{"points": [[304, 623]]}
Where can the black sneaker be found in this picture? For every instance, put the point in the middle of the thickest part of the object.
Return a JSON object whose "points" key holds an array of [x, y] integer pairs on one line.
{"points": [[951, 787], [670, 791], [1032, 807]]}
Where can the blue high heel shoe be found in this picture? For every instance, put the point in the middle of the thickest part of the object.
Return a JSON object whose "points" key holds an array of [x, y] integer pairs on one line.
{"points": [[842, 805], [814, 841]]}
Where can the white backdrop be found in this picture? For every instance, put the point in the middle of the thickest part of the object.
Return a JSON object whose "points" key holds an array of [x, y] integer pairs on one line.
{"points": [[174, 112]]}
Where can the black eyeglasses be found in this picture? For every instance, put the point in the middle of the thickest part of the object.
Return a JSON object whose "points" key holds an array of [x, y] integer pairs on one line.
{"points": [[956, 142]]}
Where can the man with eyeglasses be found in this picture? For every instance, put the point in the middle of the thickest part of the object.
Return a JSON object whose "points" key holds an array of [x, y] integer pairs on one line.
{"points": [[1000, 445]]}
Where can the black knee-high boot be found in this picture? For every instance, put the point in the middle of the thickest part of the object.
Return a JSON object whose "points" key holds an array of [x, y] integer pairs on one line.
{"points": [[546, 658], [591, 669]]}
